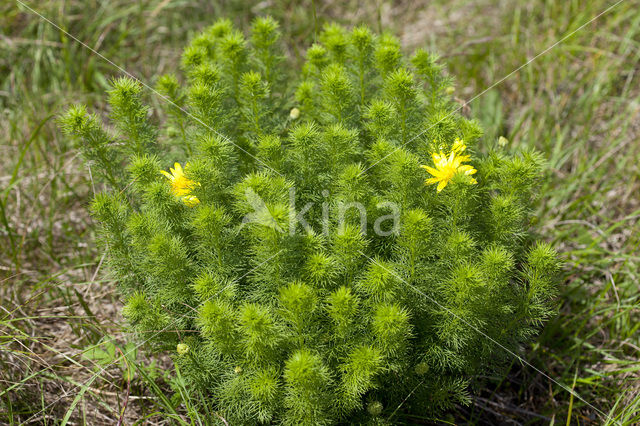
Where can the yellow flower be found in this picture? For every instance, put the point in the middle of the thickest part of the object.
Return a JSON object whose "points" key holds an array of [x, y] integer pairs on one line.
{"points": [[181, 186], [446, 167]]}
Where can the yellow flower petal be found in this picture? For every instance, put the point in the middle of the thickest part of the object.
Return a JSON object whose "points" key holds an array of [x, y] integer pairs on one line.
{"points": [[467, 169], [190, 200], [459, 146], [433, 171]]}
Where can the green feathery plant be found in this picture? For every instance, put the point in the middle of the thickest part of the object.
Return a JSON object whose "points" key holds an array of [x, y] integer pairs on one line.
{"points": [[301, 267]]}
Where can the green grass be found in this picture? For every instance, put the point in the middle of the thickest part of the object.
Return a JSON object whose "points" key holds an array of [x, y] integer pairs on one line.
{"points": [[579, 103]]}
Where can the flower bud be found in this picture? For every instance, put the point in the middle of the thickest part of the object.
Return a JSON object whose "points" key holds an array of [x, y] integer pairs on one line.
{"points": [[182, 349], [375, 408], [422, 369]]}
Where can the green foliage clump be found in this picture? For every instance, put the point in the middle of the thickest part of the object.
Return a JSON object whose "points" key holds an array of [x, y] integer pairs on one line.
{"points": [[298, 267]]}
